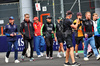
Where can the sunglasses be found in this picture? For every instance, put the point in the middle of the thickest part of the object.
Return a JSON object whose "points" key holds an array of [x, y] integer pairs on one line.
{"points": [[27, 17], [49, 19]]}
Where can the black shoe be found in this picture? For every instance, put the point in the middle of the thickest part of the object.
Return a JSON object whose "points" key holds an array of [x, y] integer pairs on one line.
{"points": [[77, 56], [89, 55], [67, 64], [76, 64]]}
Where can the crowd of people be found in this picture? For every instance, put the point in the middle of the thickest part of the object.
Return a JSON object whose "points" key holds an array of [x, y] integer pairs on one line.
{"points": [[86, 31]]}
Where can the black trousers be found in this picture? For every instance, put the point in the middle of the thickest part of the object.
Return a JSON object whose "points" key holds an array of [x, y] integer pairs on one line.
{"points": [[97, 41], [26, 46], [49, 47]]}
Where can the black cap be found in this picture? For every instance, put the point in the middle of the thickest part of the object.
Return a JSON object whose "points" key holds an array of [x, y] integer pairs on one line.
{"points": [[68, 13], [48, 17]]}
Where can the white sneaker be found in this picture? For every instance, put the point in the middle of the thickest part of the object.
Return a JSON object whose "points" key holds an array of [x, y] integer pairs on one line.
{"points": [[17, 61], [59, 56], [22, 57], [39, 56], [86, 59], [41, 53], [98, 57], [47, 57], [6, 59], [64, 54], [51, 58], [32, 59]]}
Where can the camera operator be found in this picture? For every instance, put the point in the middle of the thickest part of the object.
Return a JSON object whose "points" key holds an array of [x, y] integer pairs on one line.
{"points": [[78, 33]]}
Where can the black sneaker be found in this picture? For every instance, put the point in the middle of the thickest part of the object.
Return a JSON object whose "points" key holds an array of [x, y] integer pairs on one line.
{"points": [[67, 64], [89, 55], [76, 64], [77, 56]]}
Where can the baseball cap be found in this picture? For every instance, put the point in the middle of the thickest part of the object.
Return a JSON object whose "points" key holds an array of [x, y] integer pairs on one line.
{"points": [[11, 18], [48, 17], [69, 12], [36, 18], [79, 14]]}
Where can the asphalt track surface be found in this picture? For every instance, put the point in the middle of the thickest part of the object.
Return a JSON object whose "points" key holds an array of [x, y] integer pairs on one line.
{"points": [[44, 62]]}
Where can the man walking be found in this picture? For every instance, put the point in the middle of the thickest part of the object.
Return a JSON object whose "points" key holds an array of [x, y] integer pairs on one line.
{"points": [[60, 37], [96, 34], [27, 31], [39, 40], [11, 31], [68, 25], [89, 37], [49, 31]]}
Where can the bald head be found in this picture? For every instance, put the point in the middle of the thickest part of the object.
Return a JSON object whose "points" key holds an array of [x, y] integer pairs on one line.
{"points": [[88, 15]]}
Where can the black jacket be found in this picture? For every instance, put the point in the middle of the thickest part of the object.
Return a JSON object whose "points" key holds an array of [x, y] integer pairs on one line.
{"points": [[59, 28], [88, 27], [27, 30], [47, 29]]}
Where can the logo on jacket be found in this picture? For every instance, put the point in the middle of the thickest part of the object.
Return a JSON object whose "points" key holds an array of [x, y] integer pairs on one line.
{"points": [[9, 26], [86, 23], [51, 24], [48, 28], [35, 26], [14, 26], [25, 24]]}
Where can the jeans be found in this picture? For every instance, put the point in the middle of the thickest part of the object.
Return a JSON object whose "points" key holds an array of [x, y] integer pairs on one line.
{"points": [[90, 41], [15, 48], [39, 44]]}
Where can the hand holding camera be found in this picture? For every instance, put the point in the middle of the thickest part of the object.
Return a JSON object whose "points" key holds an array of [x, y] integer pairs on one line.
{"points": [[77, 21]]}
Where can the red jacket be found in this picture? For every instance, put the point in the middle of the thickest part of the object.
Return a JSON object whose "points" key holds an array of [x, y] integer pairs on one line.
{"points": [[37, 28]]}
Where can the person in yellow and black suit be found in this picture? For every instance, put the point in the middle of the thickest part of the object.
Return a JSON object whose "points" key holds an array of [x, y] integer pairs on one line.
{"points": [[78, 34]]}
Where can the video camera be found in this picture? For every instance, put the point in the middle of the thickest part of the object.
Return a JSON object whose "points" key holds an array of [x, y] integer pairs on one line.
{"points": [[83, 20]]}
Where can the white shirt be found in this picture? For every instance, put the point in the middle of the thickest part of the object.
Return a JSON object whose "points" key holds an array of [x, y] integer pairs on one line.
{"points": [[95, 25]]}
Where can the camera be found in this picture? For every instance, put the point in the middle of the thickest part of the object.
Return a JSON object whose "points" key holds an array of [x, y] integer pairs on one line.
{"points": [[83, 20]]}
